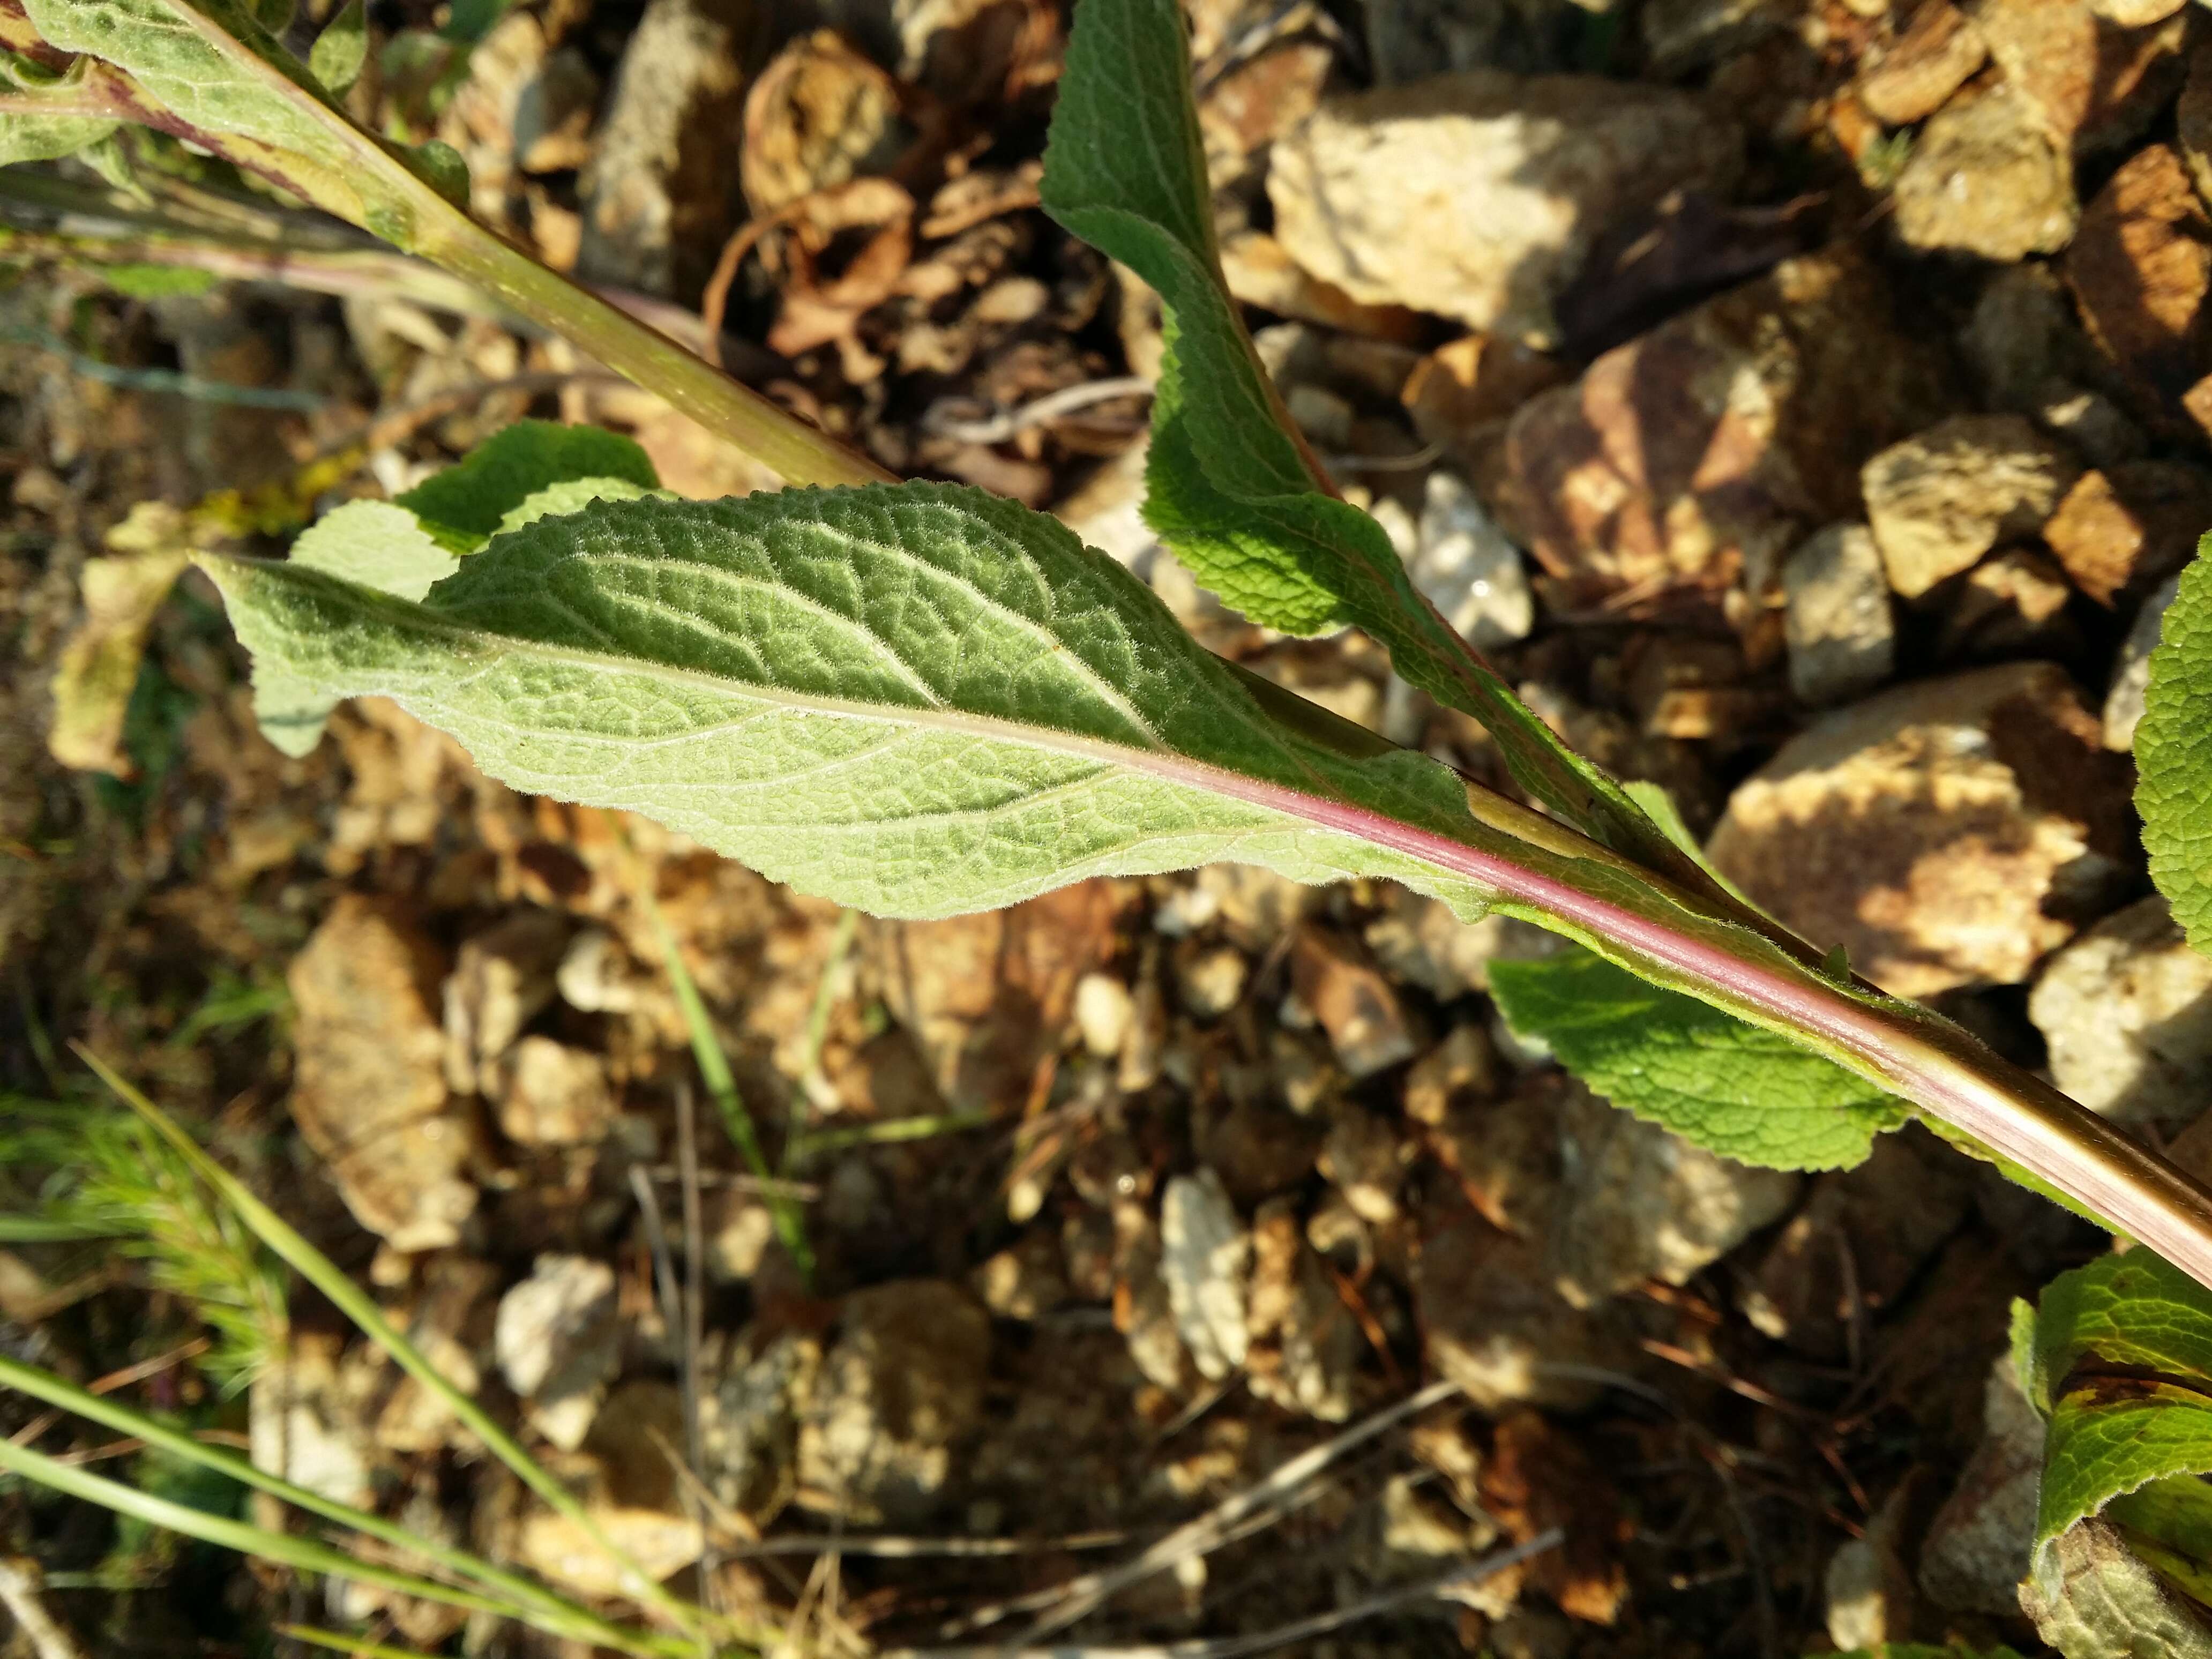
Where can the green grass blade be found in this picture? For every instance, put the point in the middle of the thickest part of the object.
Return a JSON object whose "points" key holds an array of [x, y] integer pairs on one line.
{"points": [[326, 1276], [303, 1553], [551, 1612], [722, 1086]]}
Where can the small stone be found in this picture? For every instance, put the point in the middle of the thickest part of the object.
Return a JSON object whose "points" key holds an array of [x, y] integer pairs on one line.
{"points": [[1104, 1010], [2123, 703], [1939, 500], [1304, 1345], [1025, 1280], [1872, 1600], [1212, 979], [2136, 14], [306, 1419], [2012, 604], [2024, 342], [1421, 941], [1843, 640], [1364, 1158], [1322, 416], [1640, 1203], [2089, 422], [659, 196], [1696, 456], [2192, 117], [2141, 269], [1975, 1552], [740, 1228], [2131, 527], [1460, 396], [901, 1391], [1889, 1216], [1491, 1323], [753, 1391], [1367, 1024], [1942, 832], [1204, 1254], [1985, 179], [368, 1085], [1467, 567], [597, 975], [1477, 195], [559, 1344], [556, 1548], [2093, 86], [501, 982], [1909, 79], [551, 1095], [553, 114], [2127, 1010]]}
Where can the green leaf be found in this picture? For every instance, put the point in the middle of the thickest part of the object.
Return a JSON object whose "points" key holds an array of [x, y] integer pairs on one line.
{"points": [[2100, 1601], [31, 135], [341, 49], [1728, 1087], [467, 503], [1230, 489], [2120, 1363], [1924, 1651], [379, 544], [573, 496], [2173, 754]]}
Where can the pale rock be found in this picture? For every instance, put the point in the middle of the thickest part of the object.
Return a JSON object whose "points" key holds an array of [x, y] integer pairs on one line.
{"points": [[558, 1344], [1468, 568], [1939, 500], [1421, 941], [1942, 832], [1697, 455], [740, 1228], [1303, 1347], [2127, 1010], [1143, 1311], [901, 1392], [1212, 979], [368, 1086], [307, 1419], [1842, 637], [551, 1095], [501, 979], [557, 1548], [1204, 1260], [1368, 1025], [1871, 1598], [1477, 195], [754, 1390], [1910, 78], [1975, 1552], [2123, 702], [1104, 1011], [2136, 14], [661, 191], [597, 975], [1985, 179], [1639, 1203]]}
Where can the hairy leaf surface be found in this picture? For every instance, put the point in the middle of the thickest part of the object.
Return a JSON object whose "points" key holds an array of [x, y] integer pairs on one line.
{"points": [[1677, 1062], [472, 501], [2117, 1358], [2173, 754], [1230, 490]]}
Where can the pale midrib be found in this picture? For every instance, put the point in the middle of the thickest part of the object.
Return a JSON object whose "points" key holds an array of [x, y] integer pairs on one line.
{"points": [[2015, 1114]]}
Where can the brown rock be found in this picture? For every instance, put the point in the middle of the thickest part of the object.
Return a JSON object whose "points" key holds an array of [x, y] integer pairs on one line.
{"points": [[1462, 393], [1367, 1024], [1539, 1477], [2011, 604], [1909, 79], [1707, 447], [1987, 179], [2093, 83], [2141, 269], [1941, 499], [503, 978], [2128, 529], [368, 1089], [2127, 1012], [2192, 118], [1943, 832], [553, 1096]]}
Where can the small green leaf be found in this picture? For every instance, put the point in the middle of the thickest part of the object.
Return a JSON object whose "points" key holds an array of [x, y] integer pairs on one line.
{"points": [[442, 167], [341, 49], [573, 495], [2120, 1363], [152, 282], [1229, 487], [2173, 754], [30, 135], [1718, 1083], [467, 503]]}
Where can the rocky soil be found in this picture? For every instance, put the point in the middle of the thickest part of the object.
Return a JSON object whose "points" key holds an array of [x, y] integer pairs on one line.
{"points": [[1809, 404]]}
